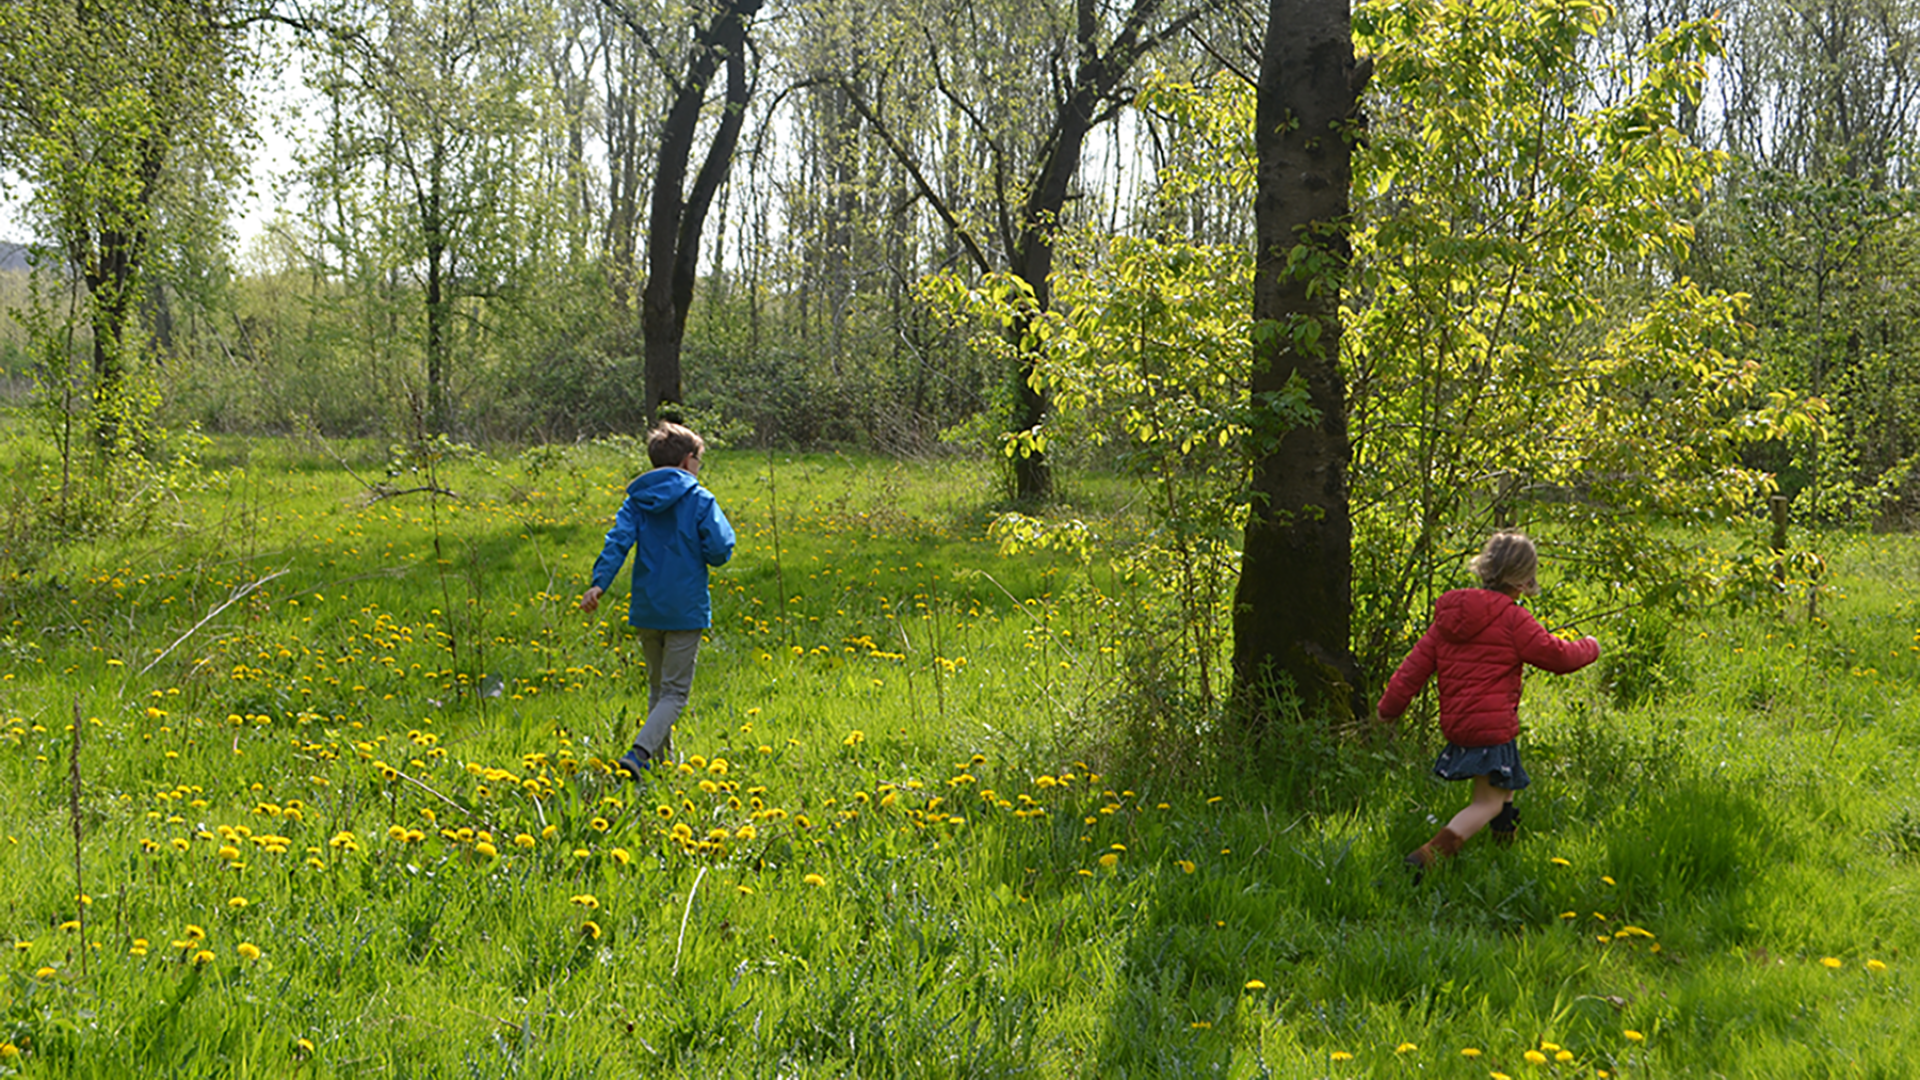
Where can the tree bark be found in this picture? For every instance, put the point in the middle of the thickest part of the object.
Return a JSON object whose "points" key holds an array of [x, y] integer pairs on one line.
{"points": [[1293, 610], [679, 215]]}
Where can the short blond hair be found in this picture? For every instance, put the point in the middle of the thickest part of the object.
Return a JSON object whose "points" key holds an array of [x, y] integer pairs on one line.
{"points": [[1508, 561]]}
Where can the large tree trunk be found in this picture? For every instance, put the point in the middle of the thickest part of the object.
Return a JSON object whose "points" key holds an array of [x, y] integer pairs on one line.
{"points": [[678, 216], [1293, 612]]}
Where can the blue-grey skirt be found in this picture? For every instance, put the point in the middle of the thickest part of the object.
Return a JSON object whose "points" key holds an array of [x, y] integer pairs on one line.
{"points": [[1499, 764]]}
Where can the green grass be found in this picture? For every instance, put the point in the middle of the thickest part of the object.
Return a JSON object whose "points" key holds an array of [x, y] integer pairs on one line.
{"points": [[289, 741]]}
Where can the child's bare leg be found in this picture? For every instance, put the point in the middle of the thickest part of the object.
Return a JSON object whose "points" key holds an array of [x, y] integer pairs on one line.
{"points": [[1487, 803]]}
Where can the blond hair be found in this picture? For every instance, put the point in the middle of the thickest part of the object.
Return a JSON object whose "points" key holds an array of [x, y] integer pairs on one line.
{"points": [[1508, 562]]}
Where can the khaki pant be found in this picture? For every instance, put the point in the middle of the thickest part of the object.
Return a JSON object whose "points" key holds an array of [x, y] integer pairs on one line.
{"points": [[670, 656]]}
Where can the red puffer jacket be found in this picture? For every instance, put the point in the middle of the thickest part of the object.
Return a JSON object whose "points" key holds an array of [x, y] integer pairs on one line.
{"points": [[1478, 640]]}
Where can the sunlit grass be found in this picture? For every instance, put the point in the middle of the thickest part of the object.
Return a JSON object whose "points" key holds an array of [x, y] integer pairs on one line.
{"points": [[346, 809]]}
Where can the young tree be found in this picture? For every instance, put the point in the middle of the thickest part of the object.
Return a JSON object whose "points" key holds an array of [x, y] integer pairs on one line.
{"points": [[107, 108], [1083, 54], [437, 111]]}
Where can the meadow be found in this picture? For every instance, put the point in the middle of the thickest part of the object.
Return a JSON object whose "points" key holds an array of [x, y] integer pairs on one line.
{"points": [[300, 782]]}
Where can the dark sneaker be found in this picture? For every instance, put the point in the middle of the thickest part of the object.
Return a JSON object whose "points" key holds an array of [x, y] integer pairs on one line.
{"points": [[635, 763]]}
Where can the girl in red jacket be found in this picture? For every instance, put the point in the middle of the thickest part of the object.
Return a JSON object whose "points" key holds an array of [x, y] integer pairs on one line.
{"points": [[1477, 643]]}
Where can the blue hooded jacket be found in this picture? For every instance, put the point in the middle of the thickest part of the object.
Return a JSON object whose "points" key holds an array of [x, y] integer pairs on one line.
{"points": [[676, 530]]}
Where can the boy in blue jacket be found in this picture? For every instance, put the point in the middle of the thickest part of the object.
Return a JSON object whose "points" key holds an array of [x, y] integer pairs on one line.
{"points": [[676, 530]]}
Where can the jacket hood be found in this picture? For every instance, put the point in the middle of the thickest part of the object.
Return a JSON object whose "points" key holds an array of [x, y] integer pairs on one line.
{"points": [[657, 489], [1460, 615]]}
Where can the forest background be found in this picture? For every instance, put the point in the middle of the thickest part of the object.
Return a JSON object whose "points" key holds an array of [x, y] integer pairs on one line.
{"points": [[1585, 241]]}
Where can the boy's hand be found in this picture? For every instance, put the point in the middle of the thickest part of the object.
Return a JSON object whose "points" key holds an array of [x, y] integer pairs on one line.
{"points": [[590, 600]]}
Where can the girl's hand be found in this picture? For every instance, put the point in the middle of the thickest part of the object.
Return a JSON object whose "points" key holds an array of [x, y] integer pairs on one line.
{"points": [[590, 599]]}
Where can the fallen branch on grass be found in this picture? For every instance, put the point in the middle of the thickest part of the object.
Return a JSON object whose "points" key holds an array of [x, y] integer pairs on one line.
{"points": [[237, 595], [377, 492]]}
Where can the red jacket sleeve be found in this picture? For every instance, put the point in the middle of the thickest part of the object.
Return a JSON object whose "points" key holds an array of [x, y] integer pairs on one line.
{"points": [[1411, 676], [1546, 652]]}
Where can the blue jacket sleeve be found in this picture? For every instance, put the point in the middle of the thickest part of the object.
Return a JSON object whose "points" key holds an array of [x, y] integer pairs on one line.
{"points": [[716, 535], [619, 541]]}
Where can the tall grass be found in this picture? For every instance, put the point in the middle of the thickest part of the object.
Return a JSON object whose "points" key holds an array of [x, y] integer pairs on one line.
{"points": [[345, 811]]}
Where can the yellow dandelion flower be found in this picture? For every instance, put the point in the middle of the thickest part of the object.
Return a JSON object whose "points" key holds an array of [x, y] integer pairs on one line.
{"points": [[1405, 1048], [197, 933], [1109, 860], [248, 950], [237, 902], [486, 850], [44, 973], [204, 956], [1340, 1055], [600, 824], [1563, 1056], [744, 890], [303, 1046], [1469, 1052], [590, 930], [814, 880], [621, 856], [524, 840], [1830, 961], [1606, 880], [1558, 861], [1255, 984], [1875, 965], [1535, 1057], [7, 1049], [1186, 865], [1634, 1036]]}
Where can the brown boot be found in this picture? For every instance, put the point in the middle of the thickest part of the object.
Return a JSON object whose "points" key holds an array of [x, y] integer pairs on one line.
{"points": [[1444, 845]]}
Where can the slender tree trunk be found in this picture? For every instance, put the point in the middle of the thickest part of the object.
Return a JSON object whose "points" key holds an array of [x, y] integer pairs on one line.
{"points": [[112, 263], [1293, 611], [1033, 249], [439, 308]]}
